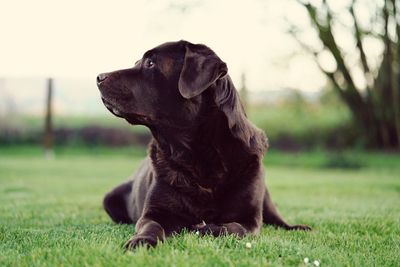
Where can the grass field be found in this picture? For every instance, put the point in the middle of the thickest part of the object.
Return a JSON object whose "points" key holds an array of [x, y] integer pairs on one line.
{"points": [[51, 214]]}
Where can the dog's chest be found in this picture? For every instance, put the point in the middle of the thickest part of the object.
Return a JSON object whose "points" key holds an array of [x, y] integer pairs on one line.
{"points": [[208, 203]]}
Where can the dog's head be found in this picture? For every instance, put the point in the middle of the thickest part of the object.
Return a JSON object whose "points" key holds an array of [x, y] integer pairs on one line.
{"points": [[164, 86], [171, 85]]}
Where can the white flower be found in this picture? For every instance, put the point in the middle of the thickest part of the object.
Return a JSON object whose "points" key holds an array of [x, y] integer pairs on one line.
{"points": [[248, 245], [197, 232], [306, 260], [316, 263]]}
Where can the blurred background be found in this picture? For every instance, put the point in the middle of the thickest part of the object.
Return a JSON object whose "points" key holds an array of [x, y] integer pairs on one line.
{"points": [[314, 75]]}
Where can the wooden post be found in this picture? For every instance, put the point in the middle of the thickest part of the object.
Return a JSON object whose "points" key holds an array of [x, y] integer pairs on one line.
{"points": [[48, 127], [243, 92]]}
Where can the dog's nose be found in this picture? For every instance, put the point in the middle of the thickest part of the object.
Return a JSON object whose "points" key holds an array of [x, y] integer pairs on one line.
{"points": [[102, 77]]}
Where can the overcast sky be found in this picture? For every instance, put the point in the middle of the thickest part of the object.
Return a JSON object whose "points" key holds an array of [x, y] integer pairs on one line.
{"points": [[75, 40], [82, 38]]}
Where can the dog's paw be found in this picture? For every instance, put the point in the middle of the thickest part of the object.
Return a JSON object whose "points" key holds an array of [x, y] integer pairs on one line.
{"points": [[137, 241], [299, 227], [211, 229]]}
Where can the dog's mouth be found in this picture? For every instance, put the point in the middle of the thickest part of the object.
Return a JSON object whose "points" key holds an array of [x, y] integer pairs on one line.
{"points": [[132, 118], [112, 109]]}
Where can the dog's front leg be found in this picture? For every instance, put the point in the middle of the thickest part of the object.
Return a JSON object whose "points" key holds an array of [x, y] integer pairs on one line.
{"points": [[148, 233]]}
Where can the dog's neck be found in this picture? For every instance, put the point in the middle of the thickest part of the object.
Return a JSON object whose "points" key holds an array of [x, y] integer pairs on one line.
{"points": [[201, 152], [221, 129], [206, 152]]}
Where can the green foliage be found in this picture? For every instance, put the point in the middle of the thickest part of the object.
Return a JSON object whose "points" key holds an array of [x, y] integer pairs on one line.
{"points": [[291, 124], [341, 161], [51, 213], [73, 131], [297, 124], [333, 160]]}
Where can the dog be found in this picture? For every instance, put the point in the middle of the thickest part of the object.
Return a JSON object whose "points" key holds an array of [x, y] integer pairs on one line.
{"points": [[204, 171]]}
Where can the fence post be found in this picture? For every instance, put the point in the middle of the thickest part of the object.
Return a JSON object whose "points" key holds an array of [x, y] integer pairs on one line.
{"points": [[243, 92], [48, 125]]}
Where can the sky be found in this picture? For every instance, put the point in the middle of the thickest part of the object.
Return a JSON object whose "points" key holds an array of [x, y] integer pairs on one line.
{"points": [[83, 38], [79, 39]]}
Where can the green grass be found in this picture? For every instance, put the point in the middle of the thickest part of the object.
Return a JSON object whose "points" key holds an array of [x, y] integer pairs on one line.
{"points": [[51, 214]]}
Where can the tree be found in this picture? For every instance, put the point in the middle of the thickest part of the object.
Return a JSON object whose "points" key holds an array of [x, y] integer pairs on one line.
{"points": [[376, 106]]}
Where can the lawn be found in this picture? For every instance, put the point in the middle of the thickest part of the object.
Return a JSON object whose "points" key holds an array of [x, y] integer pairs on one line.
{"points": [[51, 214]]}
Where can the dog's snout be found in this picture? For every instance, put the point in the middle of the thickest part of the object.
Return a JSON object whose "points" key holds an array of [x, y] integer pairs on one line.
{"points": [[102, 77]]}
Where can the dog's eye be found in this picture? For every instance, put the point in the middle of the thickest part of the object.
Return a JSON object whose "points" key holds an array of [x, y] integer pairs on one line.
{"points": [[149, 63]]}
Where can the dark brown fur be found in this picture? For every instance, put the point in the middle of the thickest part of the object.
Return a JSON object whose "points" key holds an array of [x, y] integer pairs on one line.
{"points": [[204, 172]]}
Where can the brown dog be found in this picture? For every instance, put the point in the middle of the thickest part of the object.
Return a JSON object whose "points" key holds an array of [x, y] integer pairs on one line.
{"points": [[205, 169]]}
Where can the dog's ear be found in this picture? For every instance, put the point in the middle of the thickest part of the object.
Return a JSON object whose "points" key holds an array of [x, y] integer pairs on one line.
{"points": [[201, 68], [228, 102]]}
